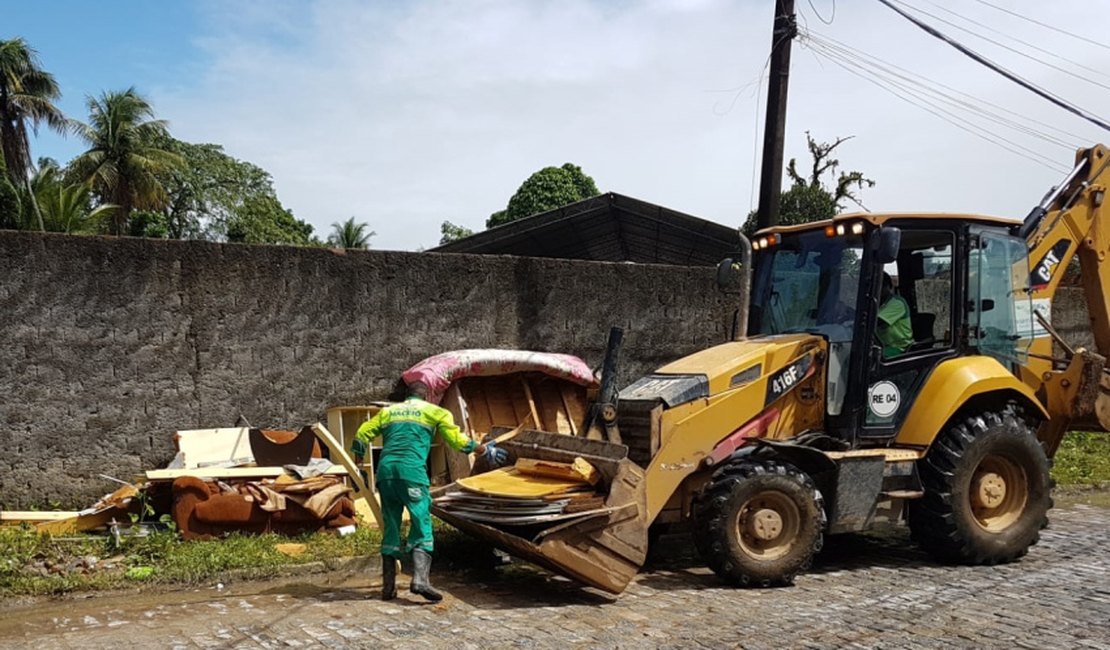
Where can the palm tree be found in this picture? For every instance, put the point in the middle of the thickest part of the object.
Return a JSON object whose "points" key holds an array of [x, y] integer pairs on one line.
{"points": [[127, 152], [27, 95], [62, 206], [350, 235]]}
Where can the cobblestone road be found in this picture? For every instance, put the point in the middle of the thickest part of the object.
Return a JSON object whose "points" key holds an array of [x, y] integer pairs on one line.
{"points": [[864, 592]]}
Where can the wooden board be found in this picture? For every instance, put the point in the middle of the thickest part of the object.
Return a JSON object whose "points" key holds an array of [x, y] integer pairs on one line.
{"points": [[508, 482], [14, 517], [228, 472], [362, 492], [201, 446], [580, 470], [84, 522]]}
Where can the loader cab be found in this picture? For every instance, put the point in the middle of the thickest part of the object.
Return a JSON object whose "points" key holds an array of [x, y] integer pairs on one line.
{"points": [[957, 289]]}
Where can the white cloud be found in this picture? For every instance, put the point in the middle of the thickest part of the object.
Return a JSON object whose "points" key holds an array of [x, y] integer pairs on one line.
{"points": [[407, 114]]}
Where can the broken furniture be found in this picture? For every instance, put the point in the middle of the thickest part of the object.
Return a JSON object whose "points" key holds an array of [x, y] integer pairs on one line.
{"points": [[203, 509]]}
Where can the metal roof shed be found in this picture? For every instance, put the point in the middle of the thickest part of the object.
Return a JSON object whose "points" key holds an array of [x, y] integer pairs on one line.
{"points": [[608, 227]]}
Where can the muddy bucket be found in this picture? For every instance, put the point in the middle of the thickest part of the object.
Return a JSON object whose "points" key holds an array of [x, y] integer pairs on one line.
{"points": [[603, 547]]}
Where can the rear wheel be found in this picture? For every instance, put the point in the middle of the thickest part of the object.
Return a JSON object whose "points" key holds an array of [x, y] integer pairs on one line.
{"points": [[758, 523], [987, 489]]}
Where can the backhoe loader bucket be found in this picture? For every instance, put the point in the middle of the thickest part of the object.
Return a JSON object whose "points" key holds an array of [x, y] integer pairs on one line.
{"points": [[603, 547]]}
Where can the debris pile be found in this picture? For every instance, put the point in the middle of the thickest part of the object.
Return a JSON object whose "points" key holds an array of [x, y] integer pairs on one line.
{"points": [[529, 493]]}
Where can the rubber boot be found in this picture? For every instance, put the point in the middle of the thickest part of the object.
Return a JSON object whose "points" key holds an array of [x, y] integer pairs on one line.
{"points": [[421, 584], [389, 577]]}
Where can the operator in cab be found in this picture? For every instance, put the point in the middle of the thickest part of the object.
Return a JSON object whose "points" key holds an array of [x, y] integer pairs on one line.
{"points": [[895, 332]]}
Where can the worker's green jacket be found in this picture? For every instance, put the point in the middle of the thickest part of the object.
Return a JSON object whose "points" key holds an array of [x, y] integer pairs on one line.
{"points": [[407, 429]]}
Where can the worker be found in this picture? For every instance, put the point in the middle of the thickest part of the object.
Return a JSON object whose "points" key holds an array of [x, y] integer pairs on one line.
{"points": [[402, 480], [895, 331]]}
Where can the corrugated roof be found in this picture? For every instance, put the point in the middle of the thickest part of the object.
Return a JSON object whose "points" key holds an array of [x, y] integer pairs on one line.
{"points": [[611, 228]]}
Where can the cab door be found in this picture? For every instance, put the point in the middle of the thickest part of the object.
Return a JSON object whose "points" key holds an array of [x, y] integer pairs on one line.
{"points": [[928, 287]]}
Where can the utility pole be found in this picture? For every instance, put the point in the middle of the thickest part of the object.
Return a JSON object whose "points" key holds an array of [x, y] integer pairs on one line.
{"points": [[774, 131]]}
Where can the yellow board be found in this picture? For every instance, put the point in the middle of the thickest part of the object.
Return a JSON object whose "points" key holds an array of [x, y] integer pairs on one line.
{"points": [[508, 482]]}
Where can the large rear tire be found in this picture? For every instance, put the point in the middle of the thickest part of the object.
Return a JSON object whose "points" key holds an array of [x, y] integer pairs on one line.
{"points": [[987, 489], [758, 523]]}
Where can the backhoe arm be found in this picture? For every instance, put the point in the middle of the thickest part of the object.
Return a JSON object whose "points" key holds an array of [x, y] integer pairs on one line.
{"points": [[1071, 222]]}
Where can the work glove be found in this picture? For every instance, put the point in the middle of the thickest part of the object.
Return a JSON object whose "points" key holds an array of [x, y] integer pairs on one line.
{"points": [[496, 456]]}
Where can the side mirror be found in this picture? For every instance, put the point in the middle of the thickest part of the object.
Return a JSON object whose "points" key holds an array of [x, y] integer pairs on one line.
{"points": [[888, 241], [728, 275]]}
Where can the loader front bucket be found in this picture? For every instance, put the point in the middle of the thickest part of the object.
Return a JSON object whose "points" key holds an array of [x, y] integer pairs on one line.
{"points": [[603, 547]]}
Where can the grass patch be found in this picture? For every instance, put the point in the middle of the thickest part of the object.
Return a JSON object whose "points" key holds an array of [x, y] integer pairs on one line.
{"points": [[33, 564], [1083, 459]]}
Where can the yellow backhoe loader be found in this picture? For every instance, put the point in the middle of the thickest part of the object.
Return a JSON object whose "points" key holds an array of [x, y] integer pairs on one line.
{"points": [[884, 367]]}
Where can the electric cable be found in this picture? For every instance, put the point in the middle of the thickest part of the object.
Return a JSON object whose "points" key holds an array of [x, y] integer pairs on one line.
{"points": [[1004, 46], [979, 58], [1043, 24]]}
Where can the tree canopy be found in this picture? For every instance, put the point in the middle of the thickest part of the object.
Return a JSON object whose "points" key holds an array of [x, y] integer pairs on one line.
{"points": [[134, 178], [450, 232], [127, 155], [547, 189], [808, 198]]}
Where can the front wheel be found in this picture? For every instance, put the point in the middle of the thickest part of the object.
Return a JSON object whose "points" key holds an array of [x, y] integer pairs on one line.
{"points": [[758, 523], [987, 489]]}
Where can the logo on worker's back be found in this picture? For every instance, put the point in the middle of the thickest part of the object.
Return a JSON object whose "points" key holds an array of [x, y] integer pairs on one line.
{"points": [[883, 399], [1042, 272]]}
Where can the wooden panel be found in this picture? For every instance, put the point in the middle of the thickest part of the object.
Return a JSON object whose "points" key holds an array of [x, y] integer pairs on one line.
{"points": [[208, 446], [338, 453], [227, 472], [458, 463]]}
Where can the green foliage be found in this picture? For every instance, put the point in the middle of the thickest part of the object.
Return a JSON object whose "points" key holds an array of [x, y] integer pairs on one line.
{"points": [[9, 205], [27, 96], [1083, 459], [127, 156], [145, 223], [205, 192], [547, 189], [64, 206], [162, 558], [350, 235], [808, 198], [263, 220], [450, 232]]}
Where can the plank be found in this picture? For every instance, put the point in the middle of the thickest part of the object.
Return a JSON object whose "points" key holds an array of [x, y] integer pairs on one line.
{"points": [[362, 492], [579, 470], [458, 463], [34, 516], [201, 446], [507, 482], [83, 522], [531, 403], [226, 472]]}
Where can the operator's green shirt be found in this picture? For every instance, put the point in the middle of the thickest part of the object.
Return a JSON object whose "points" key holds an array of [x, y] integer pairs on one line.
{"points": [[895, 331], [407, 429]]}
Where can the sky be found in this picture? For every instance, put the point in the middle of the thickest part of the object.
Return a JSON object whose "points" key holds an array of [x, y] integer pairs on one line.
{"points": [[406, 114]]}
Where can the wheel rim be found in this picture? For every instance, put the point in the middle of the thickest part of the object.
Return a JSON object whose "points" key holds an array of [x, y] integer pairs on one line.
{"points": [[999, 491], [767, 525]]}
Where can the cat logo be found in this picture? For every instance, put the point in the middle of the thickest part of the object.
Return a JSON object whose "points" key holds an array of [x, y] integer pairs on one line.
{"points": [[1042, 272]]}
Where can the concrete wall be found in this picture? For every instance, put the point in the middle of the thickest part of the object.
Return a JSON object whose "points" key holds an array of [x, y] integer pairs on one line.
{"points": [[109, 345]]}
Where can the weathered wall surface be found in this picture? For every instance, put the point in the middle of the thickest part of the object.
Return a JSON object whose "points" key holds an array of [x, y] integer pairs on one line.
{"points": [[109, 345]]}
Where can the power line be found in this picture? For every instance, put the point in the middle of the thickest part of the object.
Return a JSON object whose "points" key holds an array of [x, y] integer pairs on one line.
{"points": [[916, 98], [1005, 47], [1071, 108], [1045, 25], [969, 101], [1018, 40], [832, 16]]}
